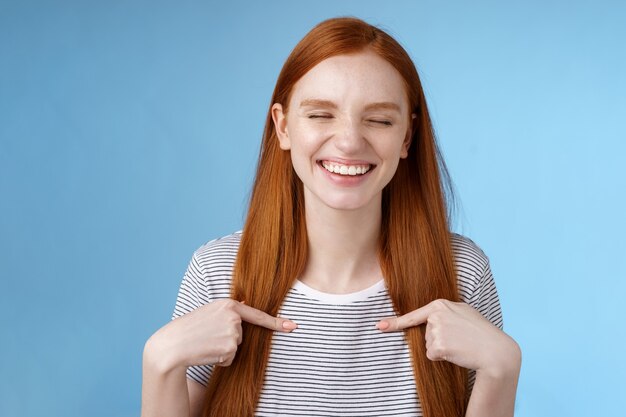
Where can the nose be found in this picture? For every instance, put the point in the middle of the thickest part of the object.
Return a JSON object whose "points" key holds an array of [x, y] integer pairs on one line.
{"points": [[349, 138]]}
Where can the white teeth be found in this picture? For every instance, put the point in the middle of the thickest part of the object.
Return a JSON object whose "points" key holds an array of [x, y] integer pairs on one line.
{"points": [[346, 169]]}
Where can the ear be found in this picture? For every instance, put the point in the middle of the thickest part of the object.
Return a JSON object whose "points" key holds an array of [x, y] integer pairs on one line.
{"points": [[409, 136], [280, 125]]}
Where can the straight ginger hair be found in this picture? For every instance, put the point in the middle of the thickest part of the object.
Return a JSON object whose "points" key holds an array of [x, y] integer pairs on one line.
{"points": [[414, 251]]}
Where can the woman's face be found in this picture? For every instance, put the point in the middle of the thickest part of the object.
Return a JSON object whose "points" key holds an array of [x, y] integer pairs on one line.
{"points": [[347, 126]]}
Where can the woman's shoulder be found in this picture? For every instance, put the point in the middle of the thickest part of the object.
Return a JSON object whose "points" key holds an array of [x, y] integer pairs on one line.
{"points": [[471, 262], [223, 243], [474, 278], [208, 275], [467, 250], [222, 249]]}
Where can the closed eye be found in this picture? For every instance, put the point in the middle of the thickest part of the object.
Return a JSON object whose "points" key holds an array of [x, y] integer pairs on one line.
{"points": [[382, 122], [320, 116]]}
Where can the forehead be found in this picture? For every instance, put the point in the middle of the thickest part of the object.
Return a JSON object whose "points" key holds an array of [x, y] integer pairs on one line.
{"points": [[356, 78]]}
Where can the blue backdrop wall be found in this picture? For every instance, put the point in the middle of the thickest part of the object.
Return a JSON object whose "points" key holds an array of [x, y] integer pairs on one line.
{"points": [[129, 132]]}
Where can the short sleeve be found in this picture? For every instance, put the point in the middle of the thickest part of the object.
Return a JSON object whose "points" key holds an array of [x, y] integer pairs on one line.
{"points": [[192, 294], [485, 298], [208, 278], [486, 301]]}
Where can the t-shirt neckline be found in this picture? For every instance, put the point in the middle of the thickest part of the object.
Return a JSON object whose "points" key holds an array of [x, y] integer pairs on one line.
{"points": [[330, 298]]}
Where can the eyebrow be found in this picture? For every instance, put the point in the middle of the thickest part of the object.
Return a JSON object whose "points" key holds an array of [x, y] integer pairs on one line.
{"points": [[383, 105], [312, 102]]}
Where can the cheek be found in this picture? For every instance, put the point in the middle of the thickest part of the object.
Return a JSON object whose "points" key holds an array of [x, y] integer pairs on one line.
{"points": [[389, 147], [392, 168], [305, 142], [303, 150]]}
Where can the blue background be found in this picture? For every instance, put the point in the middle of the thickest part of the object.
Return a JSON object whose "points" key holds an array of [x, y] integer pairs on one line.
{"points": [[129, 135]]}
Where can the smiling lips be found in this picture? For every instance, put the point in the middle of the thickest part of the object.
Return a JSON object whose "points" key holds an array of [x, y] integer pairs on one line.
{"points": [[343, 169]]}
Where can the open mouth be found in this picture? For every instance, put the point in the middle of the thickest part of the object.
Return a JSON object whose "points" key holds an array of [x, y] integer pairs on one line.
{"points": [[346, 170]]}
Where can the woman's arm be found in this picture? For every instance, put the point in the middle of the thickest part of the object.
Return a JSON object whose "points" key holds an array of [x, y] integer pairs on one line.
{"points": [[457, 333], [164, 390], [494, 391], [209, 334]]}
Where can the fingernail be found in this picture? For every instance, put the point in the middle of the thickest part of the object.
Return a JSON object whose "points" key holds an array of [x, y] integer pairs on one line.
{"points": [[289, 325], [242, 302], [382, 325]]}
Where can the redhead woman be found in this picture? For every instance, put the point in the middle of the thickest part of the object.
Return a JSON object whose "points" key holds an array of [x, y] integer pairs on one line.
{"points": [[345, 294]]}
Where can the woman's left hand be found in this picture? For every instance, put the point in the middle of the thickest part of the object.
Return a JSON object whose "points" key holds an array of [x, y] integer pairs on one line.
{"points": [[458, 333]]}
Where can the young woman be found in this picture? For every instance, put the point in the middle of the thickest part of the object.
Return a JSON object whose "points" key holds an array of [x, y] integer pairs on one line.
{"points": [[345, 294]]}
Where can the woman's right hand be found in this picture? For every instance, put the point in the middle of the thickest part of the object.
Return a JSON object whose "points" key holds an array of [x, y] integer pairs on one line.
{"points": [[208, 335]]}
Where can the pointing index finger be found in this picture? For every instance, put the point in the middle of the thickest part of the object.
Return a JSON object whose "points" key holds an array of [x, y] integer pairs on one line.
{"points": [[261, 318], [411, 319]]}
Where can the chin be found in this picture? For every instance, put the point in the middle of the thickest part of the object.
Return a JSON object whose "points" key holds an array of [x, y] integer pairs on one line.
{"points": [[342, 199], [347, 204], [345, 207]]}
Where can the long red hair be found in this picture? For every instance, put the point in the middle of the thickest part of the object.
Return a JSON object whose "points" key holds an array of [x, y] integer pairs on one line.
{"points": [[414, 249]]}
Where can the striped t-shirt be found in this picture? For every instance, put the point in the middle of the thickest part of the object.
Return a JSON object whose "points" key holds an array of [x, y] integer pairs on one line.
{"points": [[336, 363]]}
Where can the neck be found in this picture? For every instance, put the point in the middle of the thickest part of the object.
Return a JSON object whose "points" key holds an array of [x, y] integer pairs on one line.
{"points": [[343, 247]]}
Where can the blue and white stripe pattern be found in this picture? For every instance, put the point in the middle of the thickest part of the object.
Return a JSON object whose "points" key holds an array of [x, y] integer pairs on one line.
{"points": [[336, 363]]}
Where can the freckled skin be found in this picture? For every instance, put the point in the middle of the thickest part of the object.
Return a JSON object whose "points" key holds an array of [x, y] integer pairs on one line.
{"points": [[340, 123]]}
